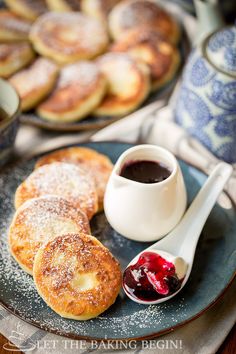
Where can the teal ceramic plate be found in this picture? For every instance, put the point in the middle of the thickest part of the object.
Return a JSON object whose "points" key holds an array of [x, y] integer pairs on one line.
{"points": [[213, 269]]}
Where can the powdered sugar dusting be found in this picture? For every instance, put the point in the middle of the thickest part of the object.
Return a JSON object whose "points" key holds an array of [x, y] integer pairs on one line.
{"points": [[69, 181], [71, 32], [24, 81], [83, 73], [14, 51], [124, 319], [12, 23]]}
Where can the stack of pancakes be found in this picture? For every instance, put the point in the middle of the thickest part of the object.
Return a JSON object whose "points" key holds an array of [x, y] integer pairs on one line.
{"points": [[69, 59], [50, 234]]}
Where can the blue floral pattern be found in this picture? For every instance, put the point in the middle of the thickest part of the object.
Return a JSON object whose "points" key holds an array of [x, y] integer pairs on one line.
{"points": [[230, 57], [223, 95], [195, 107], [227, 152], [200, 73], [221, 49], [206, 106], [222, 39]]}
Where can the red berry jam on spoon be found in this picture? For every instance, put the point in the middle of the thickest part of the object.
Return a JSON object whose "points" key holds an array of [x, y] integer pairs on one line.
{"points": [[151, 278]]}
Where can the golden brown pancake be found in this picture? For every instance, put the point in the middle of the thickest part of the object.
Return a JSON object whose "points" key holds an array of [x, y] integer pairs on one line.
{"points": [[79, 90], [98, 165], [29, 9], [68, 37], [128, 84], [131, 14], [35, 83], [77, 276], [12, 27], [62, 179], [40, 220], [98, 9], [161, 56], [13, 57], [63, 5]]}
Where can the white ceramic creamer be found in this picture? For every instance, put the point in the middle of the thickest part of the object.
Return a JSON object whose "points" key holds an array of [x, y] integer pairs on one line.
{"points": [[141, 211]]}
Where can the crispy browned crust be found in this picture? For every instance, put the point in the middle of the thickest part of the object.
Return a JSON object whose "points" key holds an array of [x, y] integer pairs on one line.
{"points": [[143, 14], [29, 9], [127, 96], [98, 165], [57, 282], [152, 48], [98, 8], [39, 220], [33, 91], [63, 5], [62, 179], [13, 57], [68, 37], [12, 27], [76, 90]]}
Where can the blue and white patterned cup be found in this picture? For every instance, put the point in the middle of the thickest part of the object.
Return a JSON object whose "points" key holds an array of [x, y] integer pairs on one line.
{"points": [[9, 102], [206, 105]]}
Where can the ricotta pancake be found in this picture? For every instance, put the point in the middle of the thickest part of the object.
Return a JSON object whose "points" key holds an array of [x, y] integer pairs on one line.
{"points": [[62, 179], [12, 27], [128, 84], [79, 90], [77, 276], [34, 83], [162, 57], [68, 37], [98, 165], [29, 9], [98, 9], [40, 220], [63, 5], [13, 57], [130, 14]]}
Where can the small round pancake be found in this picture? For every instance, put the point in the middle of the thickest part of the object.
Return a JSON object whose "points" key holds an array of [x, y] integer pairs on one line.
{"points": [[63, 5], [12, 27], [79, 90], [68, 37], [30, 90], [13, 57], [161, 56], [98, 9], [131, 14], [29, 9], [98, 165], [38, 221], [128, 84], [62, 179], [77, 276]]}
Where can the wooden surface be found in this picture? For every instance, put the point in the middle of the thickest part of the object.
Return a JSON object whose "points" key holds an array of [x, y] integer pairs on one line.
{"points": [[228, 347]]}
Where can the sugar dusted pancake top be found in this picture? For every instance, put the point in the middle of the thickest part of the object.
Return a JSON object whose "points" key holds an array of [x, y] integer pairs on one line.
{"points": [[62, 179], [39, 220], [77, 276], [69, 34], [98, 165]]}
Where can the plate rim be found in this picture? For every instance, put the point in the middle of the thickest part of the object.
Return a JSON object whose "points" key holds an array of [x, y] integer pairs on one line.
{"points": [[46, 328]]}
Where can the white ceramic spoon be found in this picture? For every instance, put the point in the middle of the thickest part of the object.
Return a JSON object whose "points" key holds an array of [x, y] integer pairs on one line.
{"points": [[180, 244]]}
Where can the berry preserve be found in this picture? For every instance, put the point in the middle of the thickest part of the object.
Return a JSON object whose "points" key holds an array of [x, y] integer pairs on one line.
{"points": [[151, 278], [145, 171]]}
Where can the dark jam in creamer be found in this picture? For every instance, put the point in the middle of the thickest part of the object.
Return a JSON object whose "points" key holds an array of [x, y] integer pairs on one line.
{"points": [[151, 278], [145, 171]]}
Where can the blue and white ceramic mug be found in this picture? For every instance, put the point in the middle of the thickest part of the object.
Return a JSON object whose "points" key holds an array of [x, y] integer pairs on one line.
{"points": [[206, 106], [9, 102]]}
